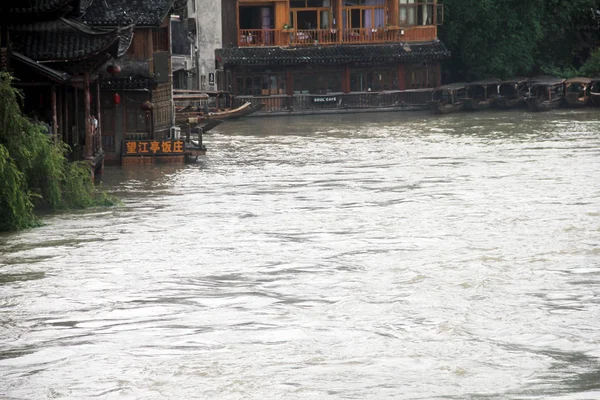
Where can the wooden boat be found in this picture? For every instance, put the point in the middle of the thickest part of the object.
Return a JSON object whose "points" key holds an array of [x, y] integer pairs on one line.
{"points": [[448, 99], [545, 93], [577, 92], [595, 92], [511, 93], [243, 110], [194, 137], [481, 95]]}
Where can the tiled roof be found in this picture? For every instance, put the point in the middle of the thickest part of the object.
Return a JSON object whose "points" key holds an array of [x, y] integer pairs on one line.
{"points": [[28, 7], [51, 74], [341, 54], [67, 40], [125, 12]]}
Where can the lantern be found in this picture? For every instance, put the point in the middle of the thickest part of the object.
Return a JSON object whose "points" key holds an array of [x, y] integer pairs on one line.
{"points": [[147, 106], [117, 99], [113, 69]]}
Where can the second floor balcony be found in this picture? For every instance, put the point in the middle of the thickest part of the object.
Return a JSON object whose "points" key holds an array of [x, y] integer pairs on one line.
{"points": [[335, 22]]}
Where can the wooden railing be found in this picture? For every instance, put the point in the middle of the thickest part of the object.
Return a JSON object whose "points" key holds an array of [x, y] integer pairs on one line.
{"points": [[305, 37], [415, 99]]}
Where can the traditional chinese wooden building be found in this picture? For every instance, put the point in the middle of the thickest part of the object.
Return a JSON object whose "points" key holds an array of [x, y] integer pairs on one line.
{"points": [[310, 55], [55, 58], [136, 90]]}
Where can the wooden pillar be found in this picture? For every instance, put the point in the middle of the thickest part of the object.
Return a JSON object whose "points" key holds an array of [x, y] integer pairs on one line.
{"points": [[401, 77], [290, 81], [339, 22], [99, 116], [67, 123], [346, 78], [60, 112], [76, 98], [54, 116], [87, 120]]}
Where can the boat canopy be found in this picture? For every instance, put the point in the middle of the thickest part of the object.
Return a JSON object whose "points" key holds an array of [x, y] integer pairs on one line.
{"points": [[452, 87], [546, 81], [485, 82], [585, 81], [513, 81]]}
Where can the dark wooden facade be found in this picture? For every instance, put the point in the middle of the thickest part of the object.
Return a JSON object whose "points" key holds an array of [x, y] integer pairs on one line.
{"points": [[306, 49], [55, 58], [137, 101]]}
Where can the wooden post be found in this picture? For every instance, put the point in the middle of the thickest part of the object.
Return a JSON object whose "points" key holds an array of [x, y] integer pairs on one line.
{"points": [[54, 117], [346, 79], [88, 123], [401, 77], [61, 126], [76, 97], [67, 124], [339, 22], [99, 116], [290, 81]]}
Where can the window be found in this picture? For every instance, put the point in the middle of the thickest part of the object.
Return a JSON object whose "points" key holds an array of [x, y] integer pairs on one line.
{"points": [[265, 84], [310, 14], [363, 14], [417, 12], [376, 81], [160, 39], [317, 81], [418, 77]]}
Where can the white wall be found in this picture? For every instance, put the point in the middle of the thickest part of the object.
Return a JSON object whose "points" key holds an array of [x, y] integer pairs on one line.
{"points": [[209, 38]]}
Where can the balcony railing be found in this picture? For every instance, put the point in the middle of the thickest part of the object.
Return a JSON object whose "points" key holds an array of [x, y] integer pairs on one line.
{"points": [[305, 37]]}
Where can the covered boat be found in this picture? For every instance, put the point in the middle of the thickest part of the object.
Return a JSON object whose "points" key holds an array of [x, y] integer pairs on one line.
{"points": [[545, 93], [448, 99], [481, 95], [511, 93], [577, 92], [595, 92]]}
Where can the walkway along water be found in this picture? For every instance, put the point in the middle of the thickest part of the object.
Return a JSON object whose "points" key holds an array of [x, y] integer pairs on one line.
{"points": [[369, 256]]}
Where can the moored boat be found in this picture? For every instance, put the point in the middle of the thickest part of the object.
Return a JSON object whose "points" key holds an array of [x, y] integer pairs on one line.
{"points": [[481, 95], [448, 99], [243, 110], [595, 92], [577, 92], [511, 93], [545, 93]]}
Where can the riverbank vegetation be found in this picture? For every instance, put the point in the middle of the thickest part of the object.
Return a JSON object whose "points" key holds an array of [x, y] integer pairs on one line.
{"points": [[34, 171], [508, 38]]}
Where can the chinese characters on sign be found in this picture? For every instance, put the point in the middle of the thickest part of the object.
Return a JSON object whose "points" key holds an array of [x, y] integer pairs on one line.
{"points": [[153, 147]]}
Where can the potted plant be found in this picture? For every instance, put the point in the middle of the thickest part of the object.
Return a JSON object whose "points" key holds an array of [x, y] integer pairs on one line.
{"points": [[287, 27]]}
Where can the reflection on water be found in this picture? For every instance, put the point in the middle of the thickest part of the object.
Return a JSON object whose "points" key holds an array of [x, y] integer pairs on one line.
{"points": [[393, 255]]}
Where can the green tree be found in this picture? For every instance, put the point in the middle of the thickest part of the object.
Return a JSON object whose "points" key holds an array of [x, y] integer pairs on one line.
{"points": [[506, 38], [34, 172]]}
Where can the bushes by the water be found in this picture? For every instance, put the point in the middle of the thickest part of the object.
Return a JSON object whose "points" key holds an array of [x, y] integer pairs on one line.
{"points": [[34, 172]]}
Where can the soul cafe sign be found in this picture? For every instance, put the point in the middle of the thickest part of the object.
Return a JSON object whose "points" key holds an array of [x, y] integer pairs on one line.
{"points": [[153, 147]]}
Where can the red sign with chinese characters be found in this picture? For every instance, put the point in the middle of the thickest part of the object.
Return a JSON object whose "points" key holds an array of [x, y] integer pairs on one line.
{"points": [[153, 147]]}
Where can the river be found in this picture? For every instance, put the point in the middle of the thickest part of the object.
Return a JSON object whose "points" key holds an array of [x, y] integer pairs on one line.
{"points": [[362, 256]]}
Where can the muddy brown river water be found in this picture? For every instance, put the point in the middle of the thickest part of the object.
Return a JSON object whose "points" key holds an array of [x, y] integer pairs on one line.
{"points": [[363, 256]]}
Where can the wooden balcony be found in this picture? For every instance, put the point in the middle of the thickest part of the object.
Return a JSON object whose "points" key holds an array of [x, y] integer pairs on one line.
{"points": [[307, 37]]}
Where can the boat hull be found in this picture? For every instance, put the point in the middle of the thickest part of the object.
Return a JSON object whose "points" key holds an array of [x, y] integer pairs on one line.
{"points": [[476, 105], [438, 108], [574, 101], [506, 103], [246, 109], [535, 104]]}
